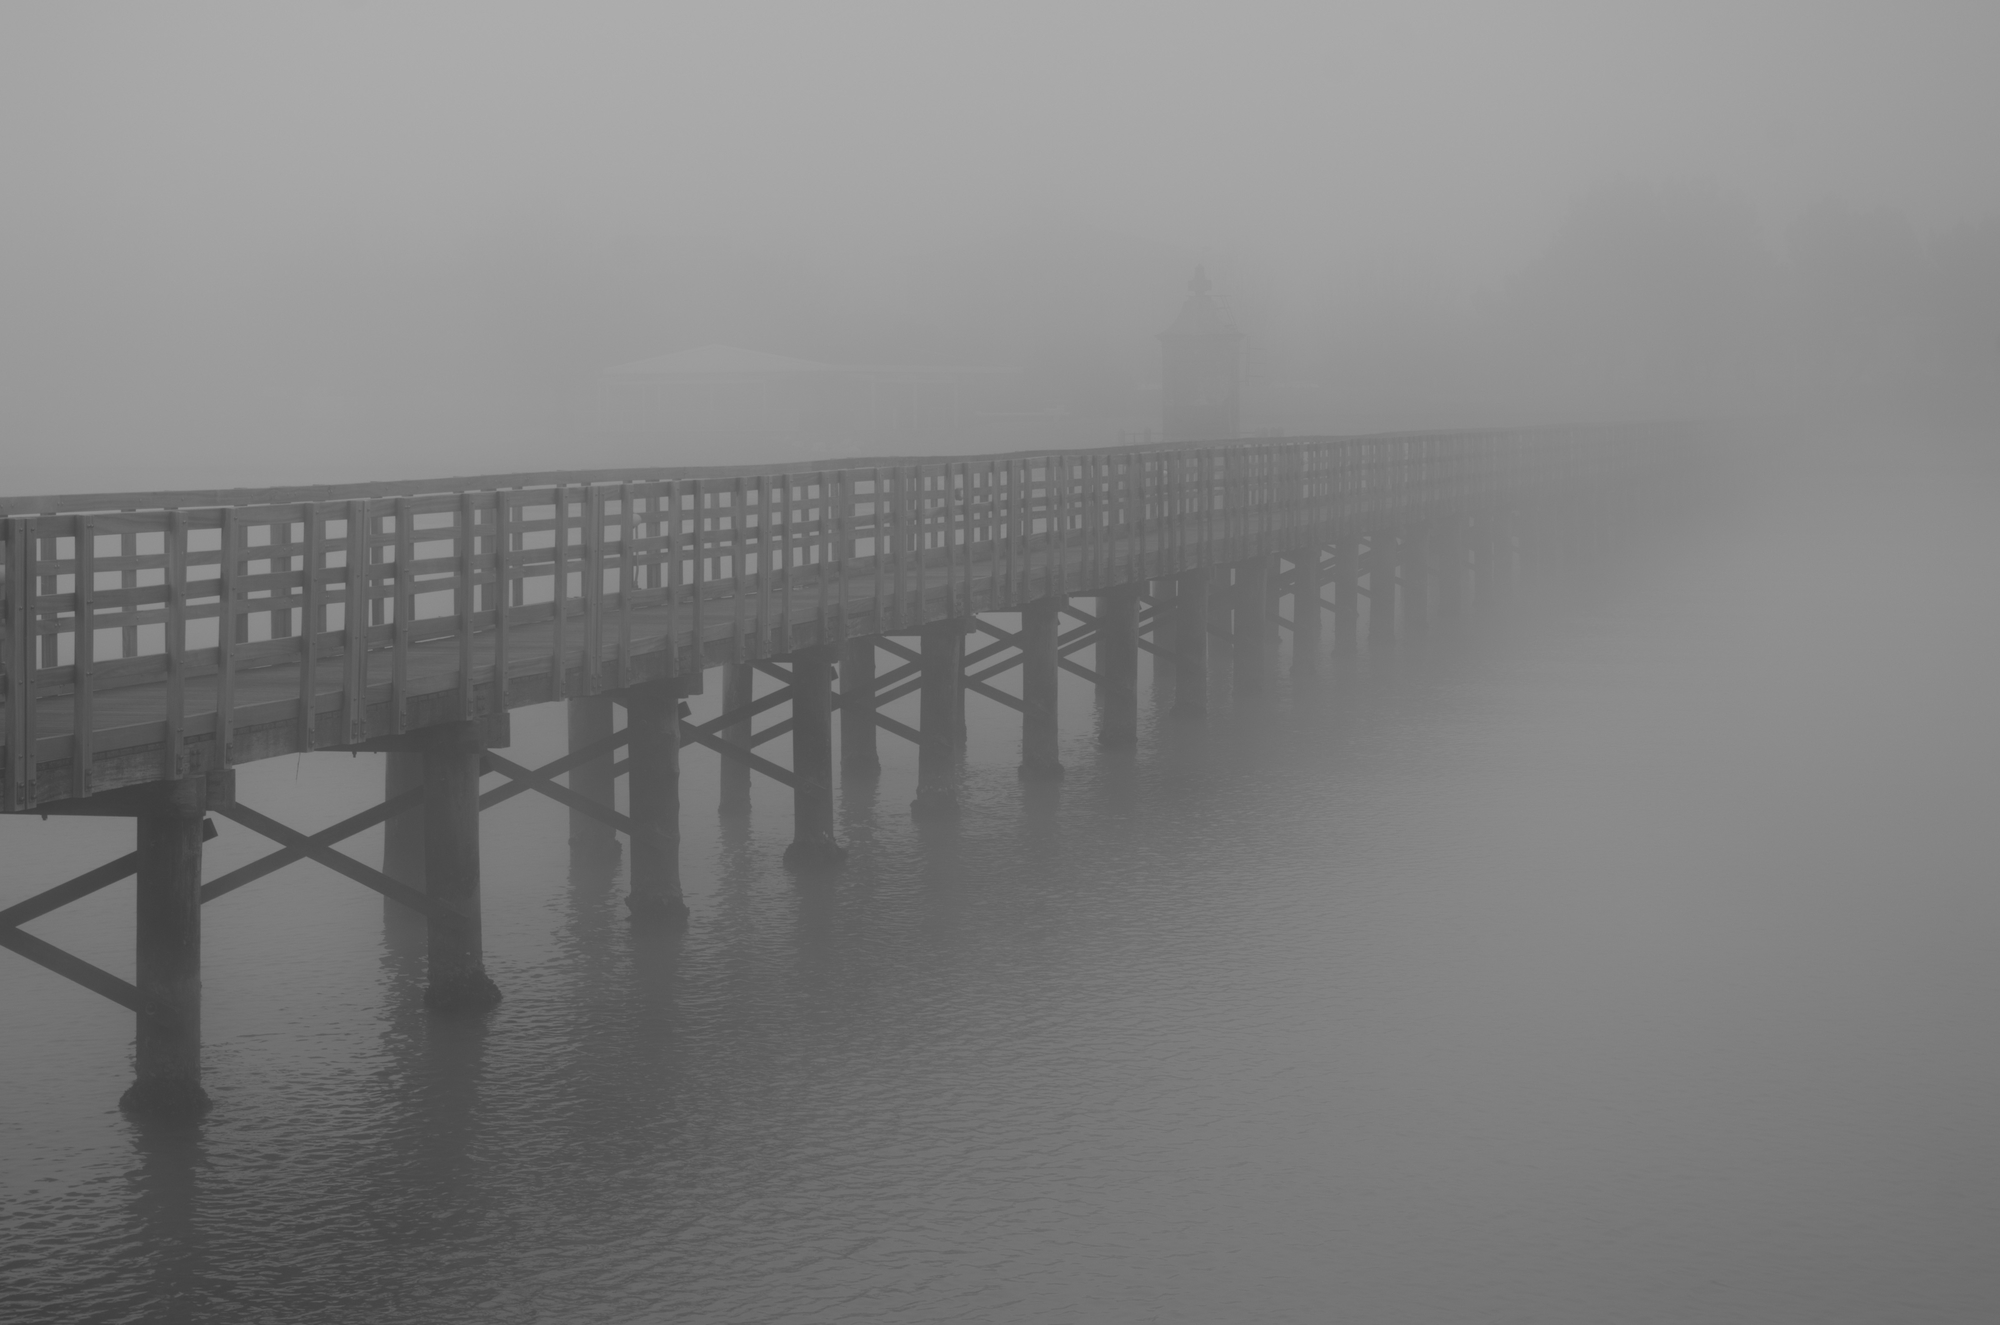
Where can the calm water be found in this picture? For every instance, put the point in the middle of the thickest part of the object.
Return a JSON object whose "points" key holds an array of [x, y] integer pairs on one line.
{"points": [[1626, 959]]}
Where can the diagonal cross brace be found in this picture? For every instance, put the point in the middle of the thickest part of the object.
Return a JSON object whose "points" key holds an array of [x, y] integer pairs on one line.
{"points": [[334, 860], [324, 838], [536, 779], [83, 885], [94, 978]]}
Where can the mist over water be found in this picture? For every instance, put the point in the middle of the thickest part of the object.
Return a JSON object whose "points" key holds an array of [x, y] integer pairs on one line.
{"points": [[1620, 952]]}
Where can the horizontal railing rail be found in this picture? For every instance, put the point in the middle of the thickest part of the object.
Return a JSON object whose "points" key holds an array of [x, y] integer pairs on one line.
{"points": [[163, 606]]}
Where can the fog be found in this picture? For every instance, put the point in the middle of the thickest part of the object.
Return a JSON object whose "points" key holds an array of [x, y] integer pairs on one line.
{"points": [[278, 244]]}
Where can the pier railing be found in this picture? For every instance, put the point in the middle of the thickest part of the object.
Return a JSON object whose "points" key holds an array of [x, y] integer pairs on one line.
{"points": [[146, 635]]}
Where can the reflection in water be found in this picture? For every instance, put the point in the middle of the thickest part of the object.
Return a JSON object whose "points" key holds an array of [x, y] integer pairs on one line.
{"points": [[1599, 959]]}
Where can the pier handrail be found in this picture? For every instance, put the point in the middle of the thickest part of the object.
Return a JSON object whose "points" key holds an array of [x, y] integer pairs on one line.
{"points": [[475, 594]]}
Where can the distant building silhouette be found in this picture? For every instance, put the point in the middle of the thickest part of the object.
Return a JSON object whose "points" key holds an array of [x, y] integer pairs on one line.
{"points": [[1201, 370]]}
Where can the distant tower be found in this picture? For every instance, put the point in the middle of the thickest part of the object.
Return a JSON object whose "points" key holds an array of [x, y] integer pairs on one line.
{"points": [[1201, 370]]}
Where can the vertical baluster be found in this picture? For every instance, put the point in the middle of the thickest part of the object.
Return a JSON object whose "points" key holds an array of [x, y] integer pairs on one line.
{"points": [[878, 525], [627, 532], [466, 600], [311, 627], [225, 638], [502, 592], [672, 551], [21, 585], [843, 499], [404, 608], [736, 580], [593, 589], [354, 621], [559, 595], [83, 655]]}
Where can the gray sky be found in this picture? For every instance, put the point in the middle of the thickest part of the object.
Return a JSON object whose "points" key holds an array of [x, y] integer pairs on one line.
{"points": [[185, 183]]}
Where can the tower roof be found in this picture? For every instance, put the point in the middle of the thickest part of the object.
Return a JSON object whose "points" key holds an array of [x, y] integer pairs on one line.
{"points": [[1201, 313]]}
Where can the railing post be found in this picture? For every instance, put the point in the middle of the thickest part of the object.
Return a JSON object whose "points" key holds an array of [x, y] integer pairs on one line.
{"points": [[941, 704], [1191, 612], [814, 846], [653, 779], [1118, 666], [592, 842], [458, 980], [167, 1049], [1041, 753], [738, 681], [858, 753]]}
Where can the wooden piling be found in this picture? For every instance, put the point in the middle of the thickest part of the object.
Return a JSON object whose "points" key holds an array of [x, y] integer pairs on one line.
{"points": [[1346, 595], [653, 780], [592, 842], [1249, 609], [1118, 666], [167, 1048], [1384, 588], [859, 756], [1191, 612], [1041, 753], [1307, 620], [402, 836], [814, 846], [458, 980], [941, 701], [738, 680]]}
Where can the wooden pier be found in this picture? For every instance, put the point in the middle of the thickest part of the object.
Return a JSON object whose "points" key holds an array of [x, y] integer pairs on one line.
{"points": [[154, 643]]}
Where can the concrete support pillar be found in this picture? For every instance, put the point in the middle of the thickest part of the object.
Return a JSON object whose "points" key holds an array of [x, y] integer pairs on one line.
{"points": [[941, 705], [1190, 643], [591, 841], [1118, 666], [458, 981], [1041, 756], [403, 836], [167, 1058], [653, 779], [1307, 619], [1251, 603], [737, 682], [858, 754], [1346, 594], [813, 843]]}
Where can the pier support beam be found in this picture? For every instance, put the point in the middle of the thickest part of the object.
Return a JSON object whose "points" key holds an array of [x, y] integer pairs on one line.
{"points": [[167, 1057], [1190, 623], [653, 781], [1118, 666], [737, 682], [1041, 755], [1251, 605], [814, 846], [403, 836], [859, 756], [458, 980], [591, 840], [941, 705]]}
